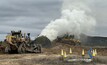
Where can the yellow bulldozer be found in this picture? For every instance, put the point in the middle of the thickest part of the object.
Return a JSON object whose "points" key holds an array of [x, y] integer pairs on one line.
{"points": [[20, 43]]}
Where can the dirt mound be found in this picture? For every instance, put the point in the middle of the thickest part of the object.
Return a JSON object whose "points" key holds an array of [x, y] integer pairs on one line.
{"points": [[44, 41]]}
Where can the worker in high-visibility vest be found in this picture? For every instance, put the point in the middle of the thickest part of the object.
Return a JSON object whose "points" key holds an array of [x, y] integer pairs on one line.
{"points": [[90, 53]]}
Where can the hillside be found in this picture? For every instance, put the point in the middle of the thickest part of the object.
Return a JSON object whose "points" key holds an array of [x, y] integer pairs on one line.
{"points": [[94, 40]]}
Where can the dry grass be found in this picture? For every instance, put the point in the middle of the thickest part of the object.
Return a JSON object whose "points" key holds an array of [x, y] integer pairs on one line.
{"points": [[52, 57]]}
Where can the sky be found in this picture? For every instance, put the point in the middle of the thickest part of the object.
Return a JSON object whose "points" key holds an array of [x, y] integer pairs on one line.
{"points": [[33, 15]]}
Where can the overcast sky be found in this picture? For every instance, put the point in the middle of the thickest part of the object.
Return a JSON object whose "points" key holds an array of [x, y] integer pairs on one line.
{"points": [[33, 15]]}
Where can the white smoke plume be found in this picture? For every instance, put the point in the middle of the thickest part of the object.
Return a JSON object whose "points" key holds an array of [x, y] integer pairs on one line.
{"points": [[75, 19]]}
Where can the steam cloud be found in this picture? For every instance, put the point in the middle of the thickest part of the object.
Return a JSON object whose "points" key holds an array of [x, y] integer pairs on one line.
{"points": [[75, 19]]}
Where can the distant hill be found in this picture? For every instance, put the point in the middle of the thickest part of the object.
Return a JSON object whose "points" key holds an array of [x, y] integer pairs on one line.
{"points": [[94, 40]]}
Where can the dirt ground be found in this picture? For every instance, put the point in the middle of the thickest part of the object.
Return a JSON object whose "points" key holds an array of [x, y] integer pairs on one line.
{"points": [[52, 56], [39, 59]]}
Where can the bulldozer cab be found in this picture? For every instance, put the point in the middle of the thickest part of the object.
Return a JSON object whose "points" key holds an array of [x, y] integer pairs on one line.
{"points": [[13, 37], [16, 34], [19, 37]]}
